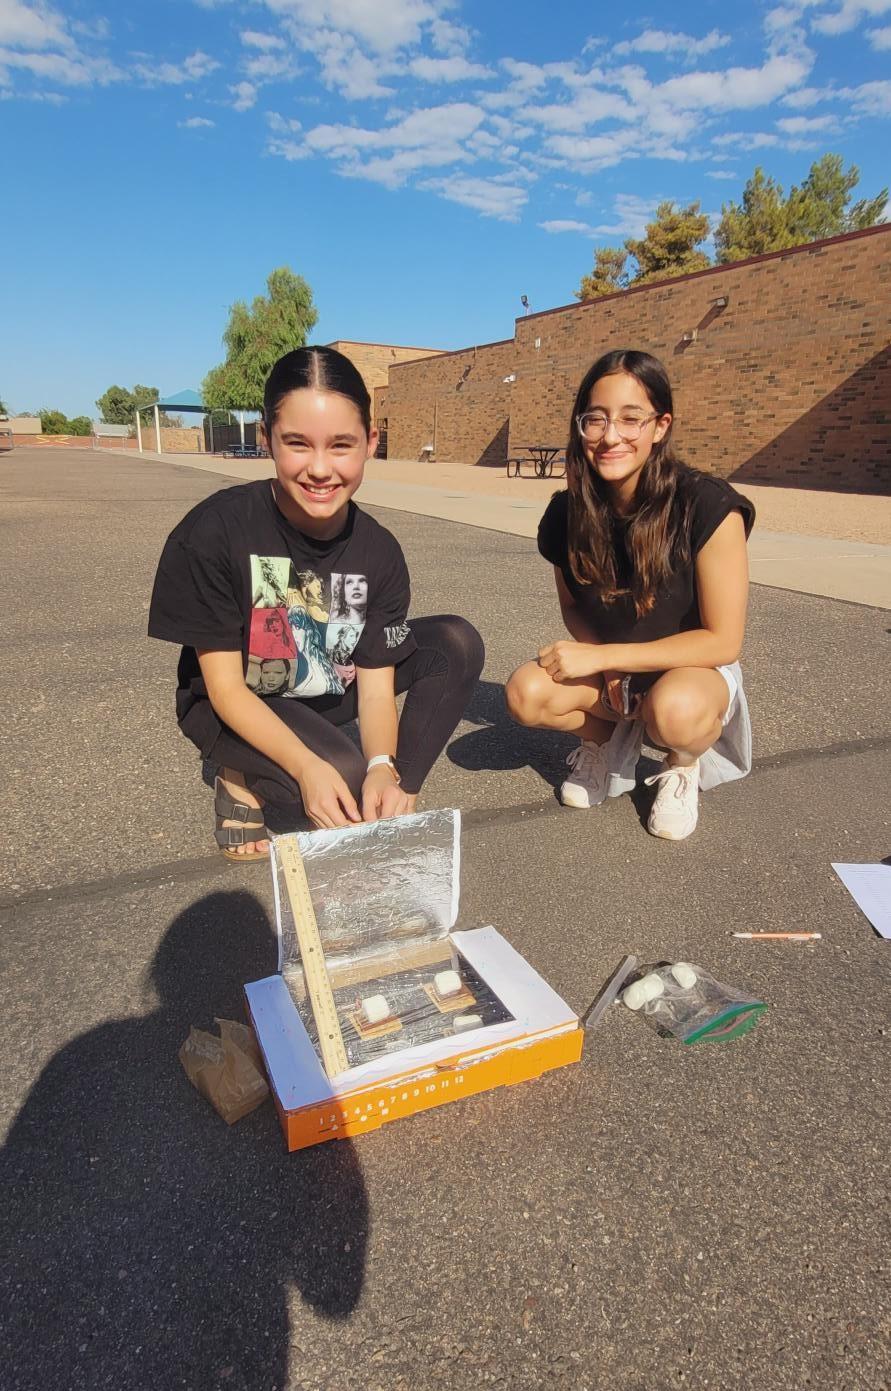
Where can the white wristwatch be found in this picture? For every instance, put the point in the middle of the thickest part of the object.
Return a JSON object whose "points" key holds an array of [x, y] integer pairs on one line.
{"points": [[381, 758]]}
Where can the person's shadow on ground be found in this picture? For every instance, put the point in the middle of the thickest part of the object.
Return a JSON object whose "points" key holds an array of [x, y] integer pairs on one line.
{"points": [[148, 1244], [502, 745]]}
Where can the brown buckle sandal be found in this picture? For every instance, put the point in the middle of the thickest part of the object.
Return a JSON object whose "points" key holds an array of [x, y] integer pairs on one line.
{"points": [[247, 833]]}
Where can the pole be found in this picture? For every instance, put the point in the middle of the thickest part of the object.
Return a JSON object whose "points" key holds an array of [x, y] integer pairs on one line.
{"points": [[138, 432], [157, 430], [241, 426]]}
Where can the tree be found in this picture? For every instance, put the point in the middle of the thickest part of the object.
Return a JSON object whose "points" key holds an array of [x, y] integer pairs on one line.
{"points": [[608, 276], [820, 207], [53, 423], [80, 425], [759, 223], [669, 246], [256, 336], [117, 405]]}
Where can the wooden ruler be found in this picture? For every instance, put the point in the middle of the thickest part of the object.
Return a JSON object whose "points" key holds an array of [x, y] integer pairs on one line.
{"points": [[315, 972]]}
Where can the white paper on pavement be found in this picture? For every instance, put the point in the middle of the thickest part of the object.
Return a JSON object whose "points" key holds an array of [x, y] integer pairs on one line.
{"points": [[870, 888]]}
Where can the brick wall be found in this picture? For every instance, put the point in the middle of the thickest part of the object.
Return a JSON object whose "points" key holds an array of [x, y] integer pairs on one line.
{"points": [[54, 441], [789, 384], [458, 402], [374, 360]]}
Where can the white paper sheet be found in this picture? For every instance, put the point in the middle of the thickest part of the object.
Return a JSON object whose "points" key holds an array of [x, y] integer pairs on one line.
{"points": [[870, 888]]}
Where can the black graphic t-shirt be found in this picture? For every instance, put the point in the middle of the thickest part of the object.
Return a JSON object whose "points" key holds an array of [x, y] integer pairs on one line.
{"points": [[707, 501], [236, 575]]}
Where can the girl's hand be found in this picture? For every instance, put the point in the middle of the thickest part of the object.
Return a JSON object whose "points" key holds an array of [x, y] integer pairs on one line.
{"points": [[566, 661], [327, 800], [382, 796]]}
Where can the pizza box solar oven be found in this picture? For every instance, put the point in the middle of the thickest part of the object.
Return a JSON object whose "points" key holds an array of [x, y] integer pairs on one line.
{"points": [[426, 1015]]}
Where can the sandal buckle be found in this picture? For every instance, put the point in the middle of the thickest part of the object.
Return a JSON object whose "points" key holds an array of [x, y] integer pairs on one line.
{"points": [[235, 834], [241, 812]]}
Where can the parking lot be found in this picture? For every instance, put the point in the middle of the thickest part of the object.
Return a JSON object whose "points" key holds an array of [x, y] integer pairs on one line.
{"points": [[655, 1216]]}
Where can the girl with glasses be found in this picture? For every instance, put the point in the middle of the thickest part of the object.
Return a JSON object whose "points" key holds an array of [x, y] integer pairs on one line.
{"points": [[650, 563], [268, 675]]}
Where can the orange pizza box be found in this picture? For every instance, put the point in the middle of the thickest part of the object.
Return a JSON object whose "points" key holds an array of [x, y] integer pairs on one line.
{"points": [[428, 1014]]}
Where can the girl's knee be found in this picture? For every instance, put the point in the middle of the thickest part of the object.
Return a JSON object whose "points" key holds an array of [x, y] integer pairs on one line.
{"points": [[677, 715], [460, 642], [526, 694]]}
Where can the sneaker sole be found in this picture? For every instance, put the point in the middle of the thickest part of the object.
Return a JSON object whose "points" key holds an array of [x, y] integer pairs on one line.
{"points": [[578, 801], [667, 835]]}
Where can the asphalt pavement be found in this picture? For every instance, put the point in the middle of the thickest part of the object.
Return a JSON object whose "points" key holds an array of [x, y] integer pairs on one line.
{"points": [[656, 1216]]}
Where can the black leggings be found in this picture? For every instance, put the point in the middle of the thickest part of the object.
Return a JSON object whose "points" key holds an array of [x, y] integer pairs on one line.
{"points": [[438, 679]]}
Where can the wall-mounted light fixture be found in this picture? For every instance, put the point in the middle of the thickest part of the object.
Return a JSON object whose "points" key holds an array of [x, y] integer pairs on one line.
{"points": [[511, 377], [691, 336], [721, 302]]}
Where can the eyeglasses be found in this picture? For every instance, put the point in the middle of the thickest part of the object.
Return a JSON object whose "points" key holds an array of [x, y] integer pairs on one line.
{"points": [[592, 427]]}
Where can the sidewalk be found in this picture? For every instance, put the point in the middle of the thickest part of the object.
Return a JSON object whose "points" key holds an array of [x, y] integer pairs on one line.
{"points": [[837, 545]]}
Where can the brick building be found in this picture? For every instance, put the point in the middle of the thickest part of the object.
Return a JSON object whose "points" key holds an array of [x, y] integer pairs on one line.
{"points": [[781, 367]]}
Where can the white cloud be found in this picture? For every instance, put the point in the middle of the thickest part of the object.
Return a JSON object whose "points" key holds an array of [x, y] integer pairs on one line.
{"points": [[736, 89], [880, 39], [720, 174], [448, 38], [752, 140], [428, 138], [383, 28], [502, 201], [803, 125], [270, 67], [870, 98], [447, 69], [76, 71], [849, 15], [196, 123], [807, 96], [567, 225], [192, 69], [244, 95], [252, 39], [588, 152], [283, 125], [669, 44], [631, 215], [31, 26]]}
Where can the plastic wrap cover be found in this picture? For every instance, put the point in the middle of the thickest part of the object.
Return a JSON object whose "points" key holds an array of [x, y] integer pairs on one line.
{"points": [[375, 886]]}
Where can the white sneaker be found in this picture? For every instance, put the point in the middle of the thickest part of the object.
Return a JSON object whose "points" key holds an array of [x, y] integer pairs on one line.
{"points": [[590, 776], [676, 809]]}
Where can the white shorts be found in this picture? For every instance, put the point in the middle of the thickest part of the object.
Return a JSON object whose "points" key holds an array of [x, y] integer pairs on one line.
{"points": [[732, 686]]}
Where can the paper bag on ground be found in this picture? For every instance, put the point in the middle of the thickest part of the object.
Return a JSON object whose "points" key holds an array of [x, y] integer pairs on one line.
{"points": [[226, 1070]]}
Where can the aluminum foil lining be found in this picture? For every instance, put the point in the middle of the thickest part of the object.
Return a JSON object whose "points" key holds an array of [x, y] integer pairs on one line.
{"points": [[375, 886]]}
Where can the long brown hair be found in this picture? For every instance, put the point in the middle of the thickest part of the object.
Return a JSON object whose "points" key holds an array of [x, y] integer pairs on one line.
{"points": [[657, 534]]}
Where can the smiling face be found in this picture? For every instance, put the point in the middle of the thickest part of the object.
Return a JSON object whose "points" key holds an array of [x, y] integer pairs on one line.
{"points": [[319, 446], [619, 462]]}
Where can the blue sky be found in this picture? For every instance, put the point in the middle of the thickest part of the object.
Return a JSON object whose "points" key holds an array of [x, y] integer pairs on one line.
{"points": [[421, 163]]}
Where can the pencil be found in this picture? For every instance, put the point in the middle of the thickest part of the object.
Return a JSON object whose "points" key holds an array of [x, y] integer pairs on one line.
{"points": [[778, 936]]}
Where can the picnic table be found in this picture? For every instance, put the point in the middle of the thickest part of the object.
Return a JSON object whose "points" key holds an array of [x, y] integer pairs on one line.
{"points": [[542, 457]]}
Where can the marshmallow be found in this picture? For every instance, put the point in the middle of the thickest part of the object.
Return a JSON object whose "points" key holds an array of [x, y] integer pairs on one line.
{"points": [[684, 975], [462, 1022], [640, 992], [375, 1009], [447, 983]]}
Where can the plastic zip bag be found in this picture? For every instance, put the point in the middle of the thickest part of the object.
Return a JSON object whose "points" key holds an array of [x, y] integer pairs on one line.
{"points": [[705, 1012]]}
